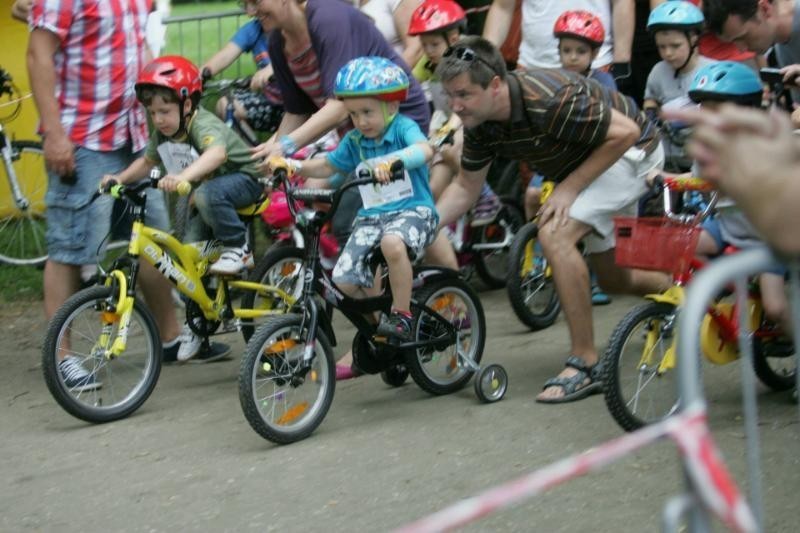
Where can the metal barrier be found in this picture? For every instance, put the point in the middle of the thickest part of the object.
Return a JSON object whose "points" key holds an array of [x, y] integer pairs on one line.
{"points": [[710, 489], [179, 29], [706, 285]]}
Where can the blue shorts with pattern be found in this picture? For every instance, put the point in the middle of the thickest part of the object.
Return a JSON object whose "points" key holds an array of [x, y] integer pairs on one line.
{"points": [[417, 229]]}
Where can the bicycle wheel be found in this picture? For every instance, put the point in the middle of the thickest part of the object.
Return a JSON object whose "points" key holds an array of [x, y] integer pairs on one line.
{"points": [[441, 368], [22, 220], [637, 391], [284, 398], [775, 364], [530, 286], [282, 268], [123, 383], [491, 262]]}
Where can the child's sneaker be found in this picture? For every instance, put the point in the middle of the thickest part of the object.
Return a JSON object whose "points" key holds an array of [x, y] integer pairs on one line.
{"points": [[190, 344], [395, 326], [232, 261], [77, 378], [486, 209], [216, 352], [599, 297]]}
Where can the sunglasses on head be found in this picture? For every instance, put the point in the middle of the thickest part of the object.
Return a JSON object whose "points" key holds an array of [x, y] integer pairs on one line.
{"points": [[468, 55]]}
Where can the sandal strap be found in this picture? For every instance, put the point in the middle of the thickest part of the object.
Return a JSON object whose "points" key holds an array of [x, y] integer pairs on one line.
{"points": [[573, 361], [570, 384]]}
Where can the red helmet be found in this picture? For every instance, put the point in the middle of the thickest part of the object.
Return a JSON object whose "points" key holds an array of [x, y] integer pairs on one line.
{"points": [[173, 72], [580, 25], [433, 15]]}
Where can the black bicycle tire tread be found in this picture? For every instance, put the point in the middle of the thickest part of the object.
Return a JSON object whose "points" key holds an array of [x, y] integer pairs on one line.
{"points": [[252, 356], [412, 361], [516, 296], [50, 369], [611, 383]]}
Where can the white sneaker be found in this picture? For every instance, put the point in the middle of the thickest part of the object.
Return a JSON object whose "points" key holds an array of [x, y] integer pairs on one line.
{"points": [[190, 344], [232, 261]]}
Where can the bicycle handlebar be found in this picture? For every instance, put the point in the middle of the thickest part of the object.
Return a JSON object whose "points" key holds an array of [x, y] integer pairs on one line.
{"points": [[330, 196], [134, 192], [676, 184]]}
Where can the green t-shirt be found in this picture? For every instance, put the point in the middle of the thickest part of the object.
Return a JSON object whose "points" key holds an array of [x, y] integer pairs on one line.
{"points": [[205, 130]]}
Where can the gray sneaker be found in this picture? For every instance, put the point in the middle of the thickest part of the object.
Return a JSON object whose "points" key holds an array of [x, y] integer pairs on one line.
{"points": [[216, 351]]}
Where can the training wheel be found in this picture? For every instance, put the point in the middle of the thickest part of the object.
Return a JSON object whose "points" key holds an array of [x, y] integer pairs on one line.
{"points": [[491, 383]]}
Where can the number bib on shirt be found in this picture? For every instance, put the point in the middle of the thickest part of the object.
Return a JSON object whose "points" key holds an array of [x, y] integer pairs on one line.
{"points": [[177, 156], [374, 195]]}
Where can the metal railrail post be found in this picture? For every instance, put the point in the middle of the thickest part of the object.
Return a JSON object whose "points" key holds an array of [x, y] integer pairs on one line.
{"points": [[702, 290]]}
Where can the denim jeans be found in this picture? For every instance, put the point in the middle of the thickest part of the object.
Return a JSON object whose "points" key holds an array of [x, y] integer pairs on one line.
{"points": [[216, 201], [76, 229]]}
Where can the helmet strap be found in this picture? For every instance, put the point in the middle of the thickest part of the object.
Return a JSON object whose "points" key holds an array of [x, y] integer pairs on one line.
{"points": [[692, 48], [387, 118]]}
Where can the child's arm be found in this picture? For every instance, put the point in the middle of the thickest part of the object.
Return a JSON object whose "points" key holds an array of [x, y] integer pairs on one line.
{"points": [[311, 168], [135, 171], [414, 156], [203, 166]]}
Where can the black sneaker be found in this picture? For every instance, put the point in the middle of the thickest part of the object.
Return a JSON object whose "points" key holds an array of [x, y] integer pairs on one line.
{"points": [[215, 352], [169, 354], [395, 327]]}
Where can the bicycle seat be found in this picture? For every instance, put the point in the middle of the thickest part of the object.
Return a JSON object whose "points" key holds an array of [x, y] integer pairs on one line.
{"points": [[255, 209]]}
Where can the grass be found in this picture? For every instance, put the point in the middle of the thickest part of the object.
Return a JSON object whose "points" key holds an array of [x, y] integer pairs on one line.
{"points": [[196, 40]]}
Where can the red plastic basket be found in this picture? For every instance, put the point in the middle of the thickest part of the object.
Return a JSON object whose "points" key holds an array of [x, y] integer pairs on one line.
{"points": [[654, 243]]}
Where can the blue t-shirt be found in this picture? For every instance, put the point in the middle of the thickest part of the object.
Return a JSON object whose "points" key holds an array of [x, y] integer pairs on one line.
{"points": [[339, 33], [252, 38], [604, 78], [403, 132]]}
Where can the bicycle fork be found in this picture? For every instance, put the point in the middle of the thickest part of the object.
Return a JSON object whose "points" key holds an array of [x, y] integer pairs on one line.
{"points": [[119, 314], [20, 200]]}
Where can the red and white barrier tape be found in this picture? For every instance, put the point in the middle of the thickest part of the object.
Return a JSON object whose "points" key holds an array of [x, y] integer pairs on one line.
{"points": [[715, 485]]}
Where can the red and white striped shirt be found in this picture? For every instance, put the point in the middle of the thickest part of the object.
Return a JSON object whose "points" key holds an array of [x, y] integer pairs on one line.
{"points": [[101, 52]]}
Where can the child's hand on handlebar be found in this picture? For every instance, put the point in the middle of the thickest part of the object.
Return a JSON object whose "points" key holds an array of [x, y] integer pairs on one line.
{"points": [[170, 183], [276, 162], [381, 169], [106, 179]]}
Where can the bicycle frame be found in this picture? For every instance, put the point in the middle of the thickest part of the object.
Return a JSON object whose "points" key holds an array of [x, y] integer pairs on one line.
{"points": [[13, 182], [185, 274]]}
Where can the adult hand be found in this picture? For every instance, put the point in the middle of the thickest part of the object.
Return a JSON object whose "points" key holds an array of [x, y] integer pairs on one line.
{"points": [[59, 153], [556, 209], [264, 151], [790, 73], [738, 146], [260, 79]]}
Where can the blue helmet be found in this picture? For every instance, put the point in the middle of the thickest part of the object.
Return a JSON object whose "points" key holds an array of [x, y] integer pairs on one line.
{"points": [[372, 76], [675, 15], [726, 81]]}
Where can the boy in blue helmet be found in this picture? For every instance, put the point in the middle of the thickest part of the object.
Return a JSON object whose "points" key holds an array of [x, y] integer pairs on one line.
{"points": [[399, 217], [676, 26], [713, 85]]}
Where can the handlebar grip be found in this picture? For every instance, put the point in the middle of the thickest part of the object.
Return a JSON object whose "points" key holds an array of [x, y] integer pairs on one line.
{"points": [[398, 171], [687, 184], [184, 188], [206, 74]]}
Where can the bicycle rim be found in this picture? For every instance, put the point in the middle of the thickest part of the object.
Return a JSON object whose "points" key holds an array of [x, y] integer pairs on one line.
{"points": [[283, 398], [125, 381], [22, 224]]}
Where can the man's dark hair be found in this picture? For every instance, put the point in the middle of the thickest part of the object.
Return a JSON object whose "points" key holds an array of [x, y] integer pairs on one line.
{"points": [[482, 60], [716, 12]]}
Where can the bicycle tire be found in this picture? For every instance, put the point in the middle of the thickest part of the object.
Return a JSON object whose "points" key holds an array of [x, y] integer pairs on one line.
{"points": [[22, 230], [492, 266], [780, 378], [289, 262], [507, 181], [137, 369], [437, 369], [618, 362], [283, 380], [526, 283]]}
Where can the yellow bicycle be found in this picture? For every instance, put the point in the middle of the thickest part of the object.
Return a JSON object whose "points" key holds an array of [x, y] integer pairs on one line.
{"points": [[114, 338], [530, 286]]}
